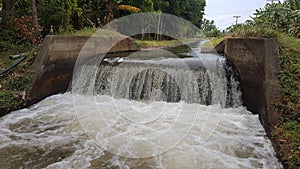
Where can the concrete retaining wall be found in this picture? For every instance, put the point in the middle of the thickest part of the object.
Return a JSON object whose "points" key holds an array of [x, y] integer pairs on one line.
{"points": [[257, 62], [55, 60]]}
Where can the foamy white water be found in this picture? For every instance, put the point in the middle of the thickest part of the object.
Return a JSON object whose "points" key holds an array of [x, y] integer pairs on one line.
{"points": [[174, 135]]}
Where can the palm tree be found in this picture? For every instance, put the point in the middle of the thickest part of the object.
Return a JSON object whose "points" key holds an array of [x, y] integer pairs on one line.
{"points": [[294, 4]]}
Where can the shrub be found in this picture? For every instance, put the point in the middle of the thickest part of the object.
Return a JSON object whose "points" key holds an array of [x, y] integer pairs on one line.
{"points": [[7, 39], [26, 31]]}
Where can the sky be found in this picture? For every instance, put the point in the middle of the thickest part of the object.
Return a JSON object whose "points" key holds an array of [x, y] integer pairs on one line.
{"points": [[222, 11]]}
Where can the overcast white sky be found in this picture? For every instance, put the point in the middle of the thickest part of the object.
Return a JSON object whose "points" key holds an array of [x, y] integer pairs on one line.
{"points": [[222, 11]]}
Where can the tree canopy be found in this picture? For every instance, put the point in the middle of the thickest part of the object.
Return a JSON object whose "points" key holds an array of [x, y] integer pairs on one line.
{"points": [[283, 17], [76, 14]]}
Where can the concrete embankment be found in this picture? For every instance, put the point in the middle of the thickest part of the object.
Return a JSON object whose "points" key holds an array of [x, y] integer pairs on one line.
{"points": [[257, 62], [55, 60]]}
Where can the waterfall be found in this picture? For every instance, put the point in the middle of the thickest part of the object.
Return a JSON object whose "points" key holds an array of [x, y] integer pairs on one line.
{"points": [[170, 80]]}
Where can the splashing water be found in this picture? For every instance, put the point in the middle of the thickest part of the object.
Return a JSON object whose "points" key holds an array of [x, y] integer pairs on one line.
{"points": [[49, 135]]}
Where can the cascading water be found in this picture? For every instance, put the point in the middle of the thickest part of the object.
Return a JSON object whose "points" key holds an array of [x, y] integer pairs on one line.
{"points": [[169, 80], [159, 113]]}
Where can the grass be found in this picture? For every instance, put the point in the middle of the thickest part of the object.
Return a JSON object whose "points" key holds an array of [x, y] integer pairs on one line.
{"points": [[163, 43], [15, 84], [92, 32], [213, 42], [289, 42], [155, 43], [249, 32], [288, 131]]}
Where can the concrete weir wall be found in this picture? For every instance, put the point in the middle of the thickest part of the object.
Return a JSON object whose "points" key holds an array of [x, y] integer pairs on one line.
{"points": [[54, 64], [257, 62]]}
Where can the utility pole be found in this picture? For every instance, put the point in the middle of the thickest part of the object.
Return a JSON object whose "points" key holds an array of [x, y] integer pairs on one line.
{"points": [[237, 17]]}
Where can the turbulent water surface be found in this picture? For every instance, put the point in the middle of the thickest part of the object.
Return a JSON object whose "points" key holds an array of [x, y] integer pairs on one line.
{"points": [[50, 135], [160, 113]]}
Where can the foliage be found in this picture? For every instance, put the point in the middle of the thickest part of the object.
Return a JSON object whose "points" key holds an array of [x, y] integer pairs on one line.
{"points": [[7, 39], [209, 28], [15, 84], [155, 43], [26, 31], [242, 30], [57, 14], [213, 42], [288, 134], [288, 131], [129, 8], [8, 101], [284, 17], [143, 5], [191, 10], [290, 77], [22, 8]]}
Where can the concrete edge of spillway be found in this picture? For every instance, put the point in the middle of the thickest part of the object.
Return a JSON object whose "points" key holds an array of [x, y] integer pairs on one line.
{"points": [[54, 65]]}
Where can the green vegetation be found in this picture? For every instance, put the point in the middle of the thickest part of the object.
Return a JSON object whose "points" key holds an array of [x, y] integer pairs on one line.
{"points": [[87, 31], [155, 43], [281, 17], [289, 129], [15, 84], [71, 15], [209, 28], [213, 42], [252, 31]]}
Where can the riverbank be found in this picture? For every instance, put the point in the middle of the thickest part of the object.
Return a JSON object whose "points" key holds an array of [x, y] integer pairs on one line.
{"points": [[16, 83], [146, 44]]}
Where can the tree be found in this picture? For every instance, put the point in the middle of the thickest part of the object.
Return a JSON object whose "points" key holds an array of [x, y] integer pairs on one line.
{"points": [[283, 17], [209, 28], [34, 14], [294, 4], [144, 5], [192, 10], [7, 13]]}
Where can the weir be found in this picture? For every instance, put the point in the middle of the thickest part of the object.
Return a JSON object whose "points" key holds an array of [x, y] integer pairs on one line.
{"points": [[165, 112], [170, 80]]}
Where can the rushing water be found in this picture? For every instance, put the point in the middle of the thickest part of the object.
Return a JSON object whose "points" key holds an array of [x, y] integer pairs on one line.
{"points": [[160, 113]]}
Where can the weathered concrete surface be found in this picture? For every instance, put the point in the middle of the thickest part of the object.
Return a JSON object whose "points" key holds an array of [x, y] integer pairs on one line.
{"points": [[257, 62], [55, 60]]}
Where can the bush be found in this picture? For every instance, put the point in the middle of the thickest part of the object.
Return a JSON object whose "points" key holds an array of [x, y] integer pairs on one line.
{"points": [[7, 39], [252, 31], [8, 101], [26, 31]]}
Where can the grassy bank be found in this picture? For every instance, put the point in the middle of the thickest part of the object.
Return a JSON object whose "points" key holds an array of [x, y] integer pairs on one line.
{"points": [[288, 131], [16, 83], [155, 43], [213, 42]]}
